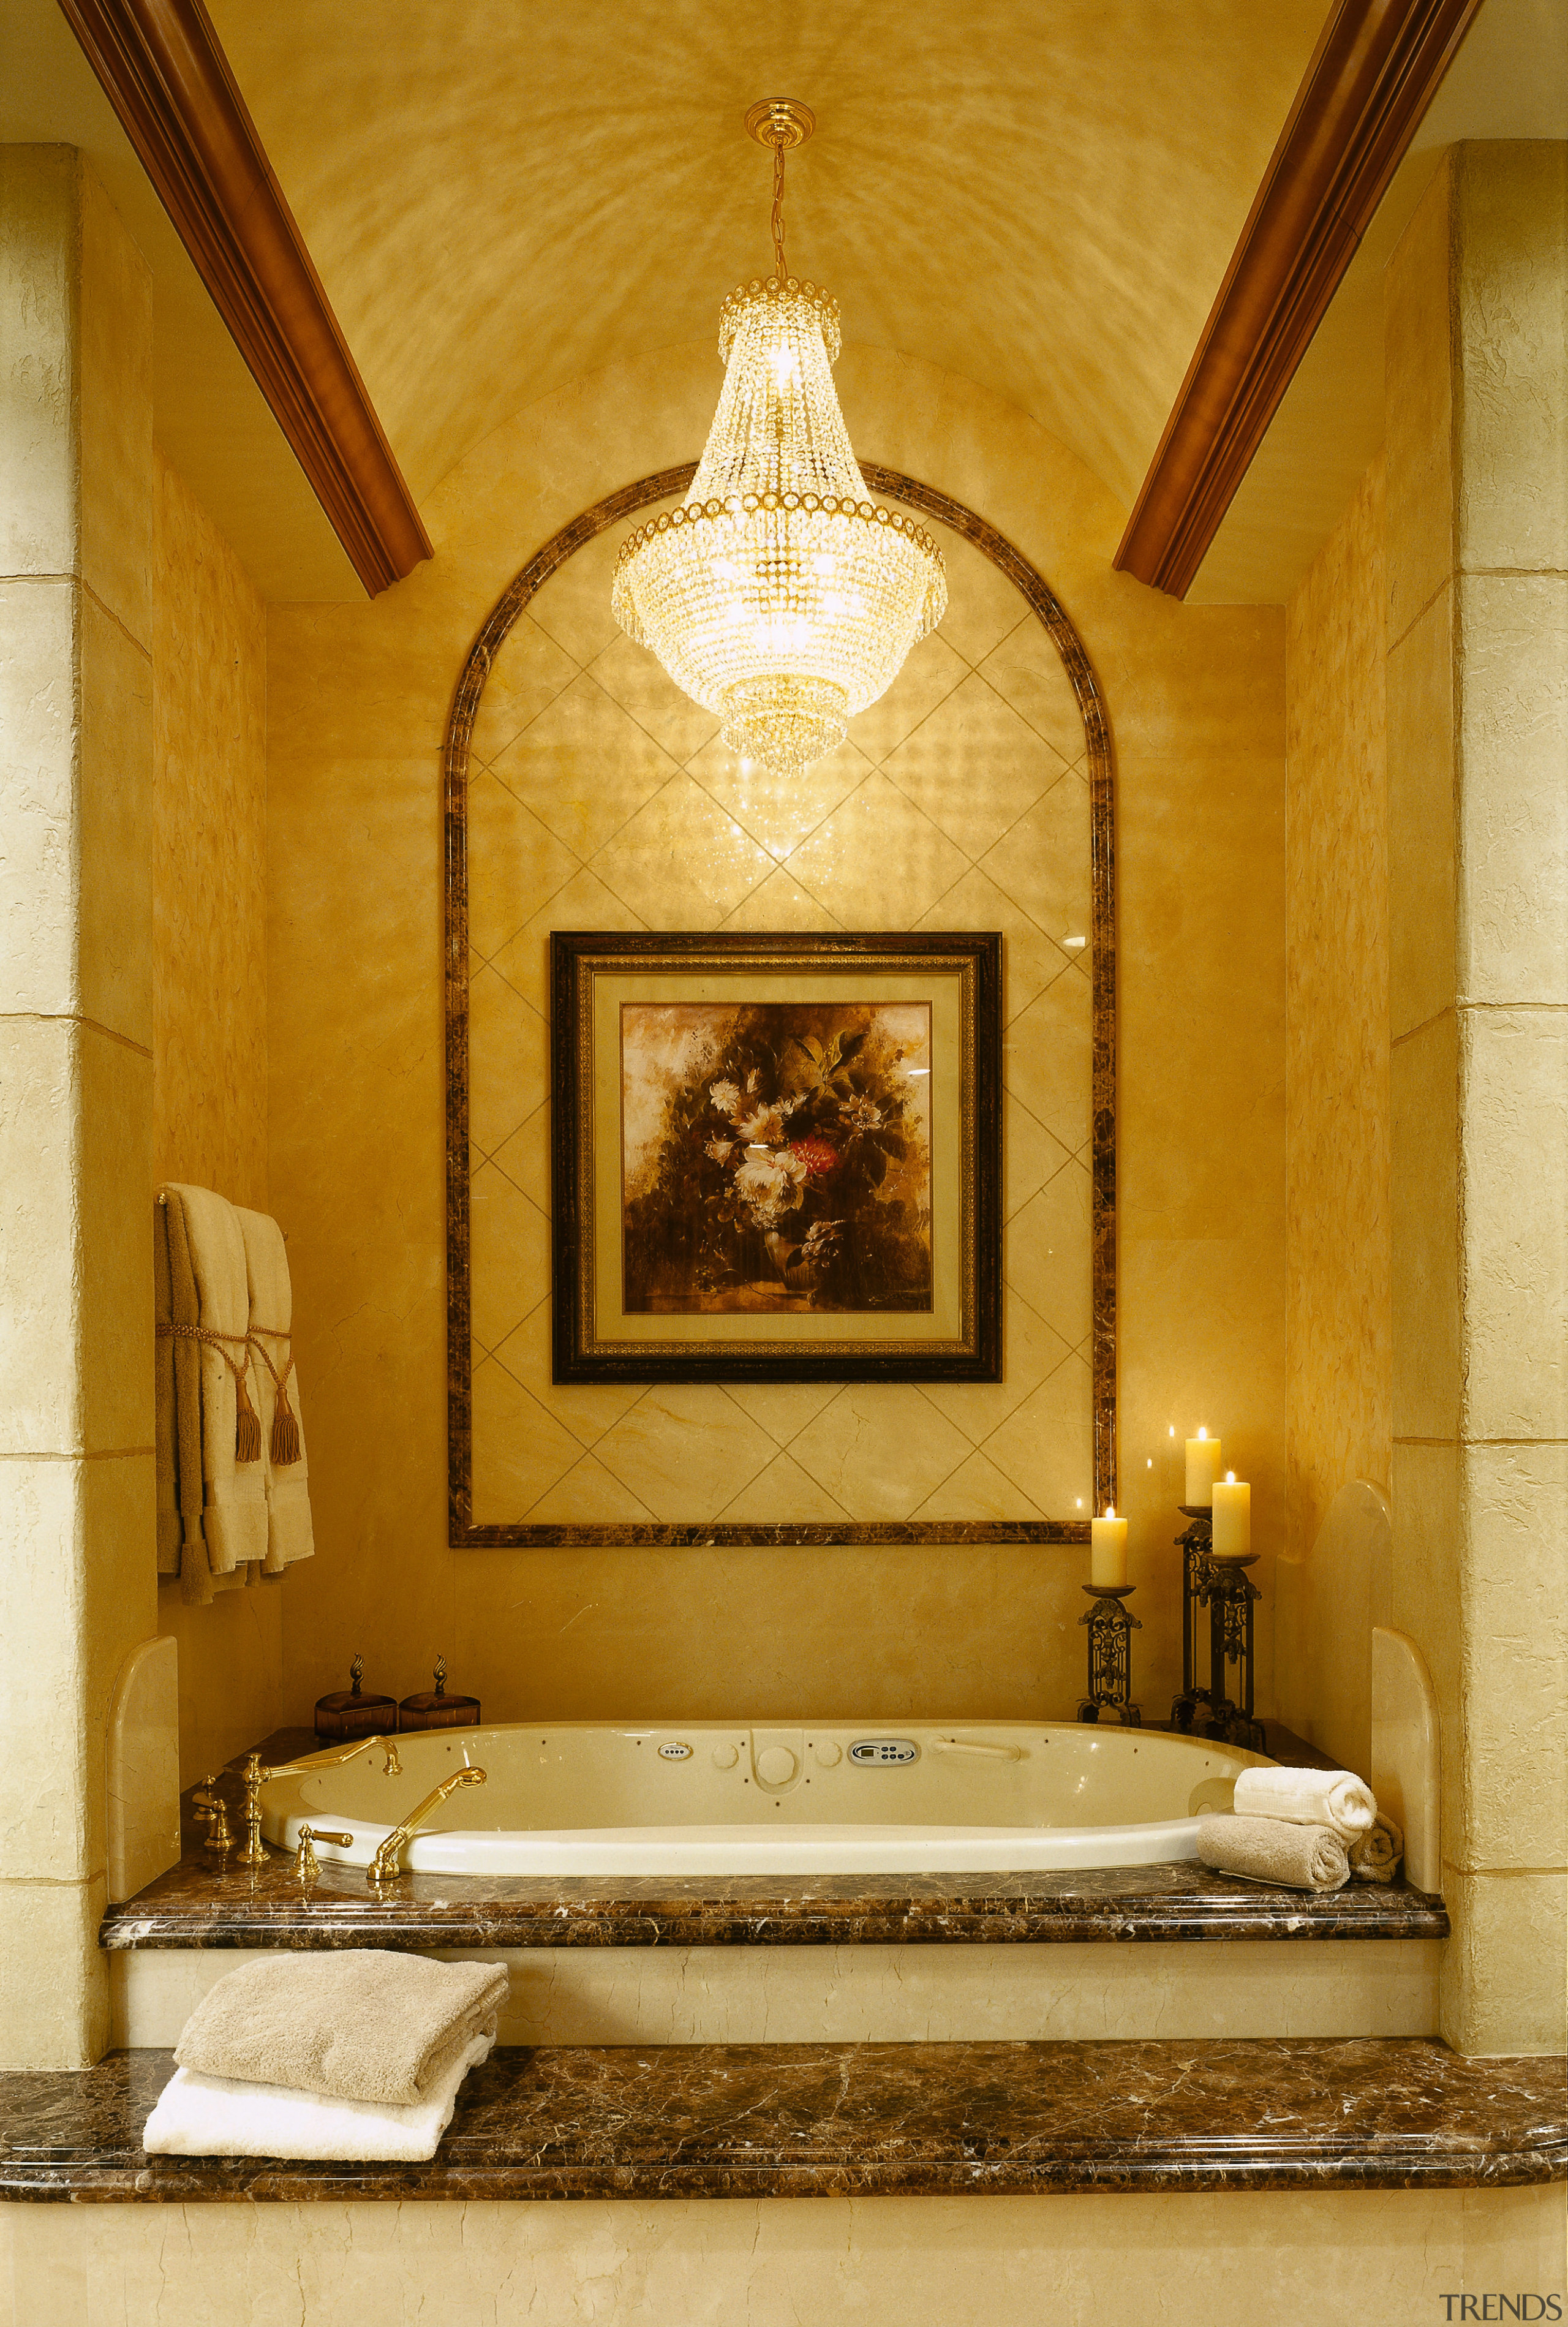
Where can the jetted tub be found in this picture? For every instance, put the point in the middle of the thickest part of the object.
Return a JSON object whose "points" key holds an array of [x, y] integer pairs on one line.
{"points": [[721, 1798]]}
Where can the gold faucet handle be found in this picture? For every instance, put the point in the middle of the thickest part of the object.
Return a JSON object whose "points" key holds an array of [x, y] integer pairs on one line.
{"points": [[307, 1866], [211, 1814]]}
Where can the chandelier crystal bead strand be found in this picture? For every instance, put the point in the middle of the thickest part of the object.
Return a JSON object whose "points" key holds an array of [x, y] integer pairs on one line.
{"points": [[779, 595]]}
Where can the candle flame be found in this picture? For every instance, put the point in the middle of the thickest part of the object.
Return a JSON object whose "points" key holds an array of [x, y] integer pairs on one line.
{"points": [[1230, 1478], [1110, 1511], [1202, 1431]]}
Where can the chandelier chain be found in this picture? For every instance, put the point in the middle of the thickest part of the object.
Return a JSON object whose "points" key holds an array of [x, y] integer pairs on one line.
{"points": [[779, 215]]}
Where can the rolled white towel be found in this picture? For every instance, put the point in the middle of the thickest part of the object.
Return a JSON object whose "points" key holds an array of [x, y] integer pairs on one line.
{"points": [[1374, 1856], [1331, 1798], [219, 2116], [1274, 1850]]}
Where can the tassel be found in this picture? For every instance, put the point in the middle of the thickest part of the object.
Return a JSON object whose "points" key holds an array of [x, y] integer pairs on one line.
{"points": [[247, 1424], [285, 1433]]}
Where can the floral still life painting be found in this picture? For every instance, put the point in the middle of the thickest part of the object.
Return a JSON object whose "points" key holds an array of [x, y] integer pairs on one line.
{"points": [[776, 1157]]}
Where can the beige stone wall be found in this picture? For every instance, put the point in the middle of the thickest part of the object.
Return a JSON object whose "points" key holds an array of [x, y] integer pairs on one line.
{"points": [[1338, 1313], [1266, 2258], [76, 1380], [209, 1005], [1477, 768], [357, 700]]}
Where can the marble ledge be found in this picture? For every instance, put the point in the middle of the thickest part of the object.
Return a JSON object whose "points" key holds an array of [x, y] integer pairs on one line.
{"points": [[819, 2120], [197, 1904]]}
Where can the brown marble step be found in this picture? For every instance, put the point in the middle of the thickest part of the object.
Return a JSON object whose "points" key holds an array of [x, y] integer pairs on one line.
{"points": [[206, 1902], [812, 2120]]}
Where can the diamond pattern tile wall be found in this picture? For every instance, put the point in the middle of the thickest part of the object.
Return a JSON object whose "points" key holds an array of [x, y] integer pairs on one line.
{"points": [[601, 798]]}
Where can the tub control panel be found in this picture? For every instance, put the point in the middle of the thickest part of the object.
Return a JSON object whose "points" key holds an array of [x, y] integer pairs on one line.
{"points": [[880, 1750]]}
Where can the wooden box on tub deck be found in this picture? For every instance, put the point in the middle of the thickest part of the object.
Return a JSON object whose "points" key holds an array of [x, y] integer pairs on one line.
{"points": [[349, 1713], [434, 1709]]}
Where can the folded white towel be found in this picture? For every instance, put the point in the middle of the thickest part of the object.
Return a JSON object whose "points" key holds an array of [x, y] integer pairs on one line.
{"points": [[1374, 1856], [1331, 1798], [1274, 1850], [217, 2116]]}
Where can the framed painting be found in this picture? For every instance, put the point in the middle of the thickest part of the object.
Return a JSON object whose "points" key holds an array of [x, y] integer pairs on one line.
{"points": [[776, 1157]]}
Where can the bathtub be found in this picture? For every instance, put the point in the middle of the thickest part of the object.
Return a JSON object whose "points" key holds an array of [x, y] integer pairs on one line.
{"points": [[722, 1797]]}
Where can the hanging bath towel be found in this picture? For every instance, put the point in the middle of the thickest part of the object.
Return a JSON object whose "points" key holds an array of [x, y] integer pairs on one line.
{"points": [[283, 1436], [212, 1509]]}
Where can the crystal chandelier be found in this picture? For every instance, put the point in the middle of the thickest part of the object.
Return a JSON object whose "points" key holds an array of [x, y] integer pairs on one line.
{"points": [[778, 595]]}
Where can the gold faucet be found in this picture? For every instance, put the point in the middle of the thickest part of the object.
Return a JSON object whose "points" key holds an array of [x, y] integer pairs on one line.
{"points": [[391, 1766], [211, 1815], [307, 1866], [383, 1866], [252, 1777]]}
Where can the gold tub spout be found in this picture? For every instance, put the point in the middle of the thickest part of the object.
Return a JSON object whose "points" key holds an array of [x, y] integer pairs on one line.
{"points": [[383, 1866]]}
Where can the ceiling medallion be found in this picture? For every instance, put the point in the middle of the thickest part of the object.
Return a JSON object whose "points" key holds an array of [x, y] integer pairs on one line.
{"points": [[777, 595]]}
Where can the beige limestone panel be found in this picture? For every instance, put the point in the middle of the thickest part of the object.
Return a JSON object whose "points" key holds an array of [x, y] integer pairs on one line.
{"points": [[528, 674], [40, 278], [1426, 1575], [877, 862], [588, 1496], [1513, 927], [115, 827], [78, 1588], [1421, 838], [1046, 1059], [640, 684], [1510, 259], [115, 415], [1514, 1229], [144, 1768], [1338, 1318], [208, 814], [584, 767], [1031, 1156], [74, 1159], [932, 669], [584, 904], [1002, 764], [685, 1450], [1503, 1986], [61, 2022], [574, 606], [1030, 959], [1263, 2258], [782, 1409], [1045, 1445], [508, 1051], [880, 1450], [778, 810], [509, 1243], [1043, 1251], [586, 1408], [680, 862], [780, 902], [1515, 1657], [1042, 863], [1418, 351], [983, 605], [1229, 1991], [977, 1490], [519, 1451], [1425, 1256], [1030, 1349], [1027, 671], [781, 1495], [515, 867], [39, 740], [231, 1670]]}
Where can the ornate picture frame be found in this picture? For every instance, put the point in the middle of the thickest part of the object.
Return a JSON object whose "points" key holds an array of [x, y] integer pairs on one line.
{"points": [[777, 1156]]}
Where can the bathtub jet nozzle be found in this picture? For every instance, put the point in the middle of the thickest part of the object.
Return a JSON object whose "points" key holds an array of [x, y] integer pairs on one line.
{"points": [[385, 1863]]}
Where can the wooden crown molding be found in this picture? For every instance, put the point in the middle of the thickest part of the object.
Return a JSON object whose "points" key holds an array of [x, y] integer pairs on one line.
{"points": [[1375, 71], [168, 80]]}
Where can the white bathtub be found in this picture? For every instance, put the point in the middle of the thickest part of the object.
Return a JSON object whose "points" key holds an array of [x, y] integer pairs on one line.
{"points": [[719, 1798]]}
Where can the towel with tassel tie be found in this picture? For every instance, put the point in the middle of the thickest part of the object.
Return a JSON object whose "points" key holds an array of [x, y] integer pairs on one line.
{"points": [[212, 1524], [289, 1535]]}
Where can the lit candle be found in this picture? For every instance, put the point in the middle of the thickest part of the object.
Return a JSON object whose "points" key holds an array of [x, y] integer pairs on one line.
{"points": [[1108, 1550], [1232, 1521], [1202, 1470]]}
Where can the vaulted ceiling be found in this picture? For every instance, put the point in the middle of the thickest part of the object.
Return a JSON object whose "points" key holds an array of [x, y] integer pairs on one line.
{"points": [[500, 199]]}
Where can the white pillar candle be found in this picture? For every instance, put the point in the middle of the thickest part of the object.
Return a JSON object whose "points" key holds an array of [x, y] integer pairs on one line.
{"points": [[1202, 1470], [1232, 1520], [1108, 1550]]}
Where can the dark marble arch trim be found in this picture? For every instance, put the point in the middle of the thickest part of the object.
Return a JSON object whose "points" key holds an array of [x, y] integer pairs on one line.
{"points": [[463, 1534], [826, 2120]]}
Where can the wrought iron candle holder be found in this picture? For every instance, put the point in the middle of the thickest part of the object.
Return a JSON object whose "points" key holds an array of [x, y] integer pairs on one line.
{"points": [[1111, 1629], [1229, 1593]]}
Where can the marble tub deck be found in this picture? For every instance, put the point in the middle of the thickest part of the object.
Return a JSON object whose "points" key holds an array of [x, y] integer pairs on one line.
{"points": [[819, 2120]]}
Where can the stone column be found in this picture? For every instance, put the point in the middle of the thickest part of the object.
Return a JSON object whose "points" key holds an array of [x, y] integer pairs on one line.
{"points": [[77, 1557], [1476, 395]]}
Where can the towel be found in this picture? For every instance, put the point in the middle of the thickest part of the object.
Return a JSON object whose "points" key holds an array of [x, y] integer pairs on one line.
{"points": [[284, 1467], [1331, 1798], [1374, 1856], [212, 1510], [355, 2024], [1274, 1850], [219, 2116]]}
